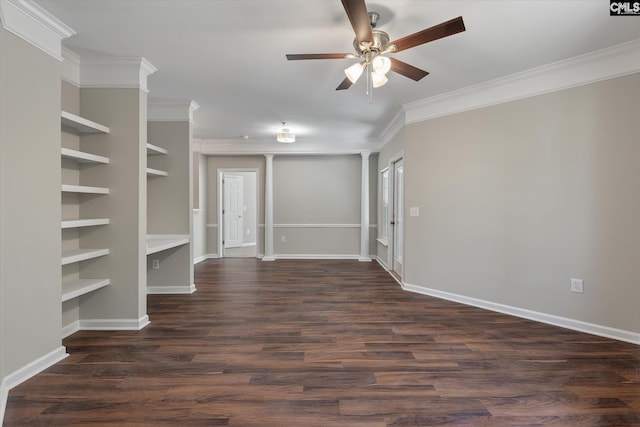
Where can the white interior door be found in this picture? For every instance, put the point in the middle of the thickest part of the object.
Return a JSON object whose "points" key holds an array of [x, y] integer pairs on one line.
{"points": [[398, 216], [233, 197]]}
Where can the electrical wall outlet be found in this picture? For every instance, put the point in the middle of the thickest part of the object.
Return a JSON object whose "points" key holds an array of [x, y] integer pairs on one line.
{"points": [[577, 286], [155, 264]]}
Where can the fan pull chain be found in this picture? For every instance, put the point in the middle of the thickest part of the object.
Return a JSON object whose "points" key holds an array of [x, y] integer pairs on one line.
{"points": [[369, 84]]}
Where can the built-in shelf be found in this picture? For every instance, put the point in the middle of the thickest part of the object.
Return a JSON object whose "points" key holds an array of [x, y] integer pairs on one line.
{"points": [[75, 288], [77, 255], [154, 149], [80, 124], [162, 242], [75, 223], [84, 189], [157, 172], [83, 157]]}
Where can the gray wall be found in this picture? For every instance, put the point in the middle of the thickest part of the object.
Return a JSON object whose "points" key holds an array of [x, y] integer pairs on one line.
{"points": [[30, 309], [125, 112], [169, 202], [518, 198], [317, 204], [321, 191]]}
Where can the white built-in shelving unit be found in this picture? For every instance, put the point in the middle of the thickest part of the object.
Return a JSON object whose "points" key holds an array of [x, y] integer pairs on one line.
{"points": [[161, 242], [83, 157], [77, 286], [154, 150], [157, 172], [80, 124], [70, 188]]}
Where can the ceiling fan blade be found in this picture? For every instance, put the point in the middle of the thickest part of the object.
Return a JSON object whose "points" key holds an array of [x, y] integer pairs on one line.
{"points": [[449, 28], [298, 56], [359, 18], [346, 84], [407, 70]]}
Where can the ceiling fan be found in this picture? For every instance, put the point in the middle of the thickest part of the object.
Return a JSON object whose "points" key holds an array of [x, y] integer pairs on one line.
{"points": [[373, 46]]}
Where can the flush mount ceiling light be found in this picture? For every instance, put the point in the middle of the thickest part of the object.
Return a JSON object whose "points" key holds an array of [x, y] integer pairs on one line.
{"points": [[285, 135]]}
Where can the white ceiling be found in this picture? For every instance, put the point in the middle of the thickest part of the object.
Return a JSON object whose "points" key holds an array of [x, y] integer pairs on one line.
{"points": [[229, 55]]}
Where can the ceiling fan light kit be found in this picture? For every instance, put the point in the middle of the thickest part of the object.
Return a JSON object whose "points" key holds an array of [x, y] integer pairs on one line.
{"points": [[354, 72], [285, 135], [372, 45]]}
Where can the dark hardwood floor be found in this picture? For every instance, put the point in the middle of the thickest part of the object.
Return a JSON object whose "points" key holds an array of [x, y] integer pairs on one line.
{"points": [[329, 343]]}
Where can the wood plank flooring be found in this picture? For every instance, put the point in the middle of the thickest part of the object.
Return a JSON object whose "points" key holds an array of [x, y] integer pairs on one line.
{"points": [[329, 343]]}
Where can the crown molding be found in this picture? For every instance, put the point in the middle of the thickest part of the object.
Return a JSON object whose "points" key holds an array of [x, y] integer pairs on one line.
{"points": [[29, 21], [608, 63], [171, 111], [70, 66], [395, 125], [242, 147], [115, 72]]}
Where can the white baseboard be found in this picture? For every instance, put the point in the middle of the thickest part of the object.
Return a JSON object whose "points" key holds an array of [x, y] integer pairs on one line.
{"points": [[247, 245], [563, 322], [186, 289], [364, 259], [21, 375], [71, 328], [114, 324], [382, 263], [316, 256], [205, 257]]}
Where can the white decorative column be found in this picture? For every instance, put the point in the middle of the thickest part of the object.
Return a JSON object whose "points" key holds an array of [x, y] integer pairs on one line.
{"points": [[268, 210], [364, 209]]}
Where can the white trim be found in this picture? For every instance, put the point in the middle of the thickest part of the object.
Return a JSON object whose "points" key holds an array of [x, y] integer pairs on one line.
{"points": [[246, 245], [205, 257], [114, 324], [212, 225], [383, 241], [240, 147], [393, 128], [114, 72], [316, 225], [71, 328], [70, 66], [317, 256], [592, 67], [33, 24], [29, 370], [382, 264], [319, 225], [159, 290], [563, 322], [177, 111]]}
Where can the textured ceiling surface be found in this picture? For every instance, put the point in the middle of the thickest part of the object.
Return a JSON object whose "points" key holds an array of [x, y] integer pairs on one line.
{"points": [[229, 55]]}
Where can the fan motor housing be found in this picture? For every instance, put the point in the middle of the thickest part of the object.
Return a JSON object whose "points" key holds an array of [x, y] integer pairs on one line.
{"points": [[380, 43]]}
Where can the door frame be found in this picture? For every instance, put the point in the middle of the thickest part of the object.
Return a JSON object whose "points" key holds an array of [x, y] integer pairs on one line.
{"points": [[391, 248], [226, 191], [220, 188]]}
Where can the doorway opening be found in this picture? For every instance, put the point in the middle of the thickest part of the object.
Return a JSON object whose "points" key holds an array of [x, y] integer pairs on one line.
{"points": [[238, 213]]}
